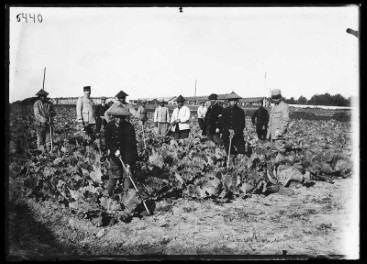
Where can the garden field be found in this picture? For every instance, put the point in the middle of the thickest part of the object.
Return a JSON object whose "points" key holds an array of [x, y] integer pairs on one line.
{"points": [[200, 204]]}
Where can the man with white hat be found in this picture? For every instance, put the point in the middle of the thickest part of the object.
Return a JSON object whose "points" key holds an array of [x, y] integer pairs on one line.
{"points": [[121, 142], [161, 118], [180, 119], [85, 111], [121, 101], [43, 112], [142, 111], [278, 122]]}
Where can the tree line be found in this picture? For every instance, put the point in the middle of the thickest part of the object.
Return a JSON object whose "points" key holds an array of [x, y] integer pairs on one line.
{"points": [[321, 99]]}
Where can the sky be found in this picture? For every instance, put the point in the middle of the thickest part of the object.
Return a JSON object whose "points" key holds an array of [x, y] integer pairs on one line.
{"points": [[157, 52]]}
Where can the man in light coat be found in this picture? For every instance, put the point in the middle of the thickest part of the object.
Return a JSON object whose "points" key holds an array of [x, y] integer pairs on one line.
{"points": [[278, 122], [202, 109], [43, 112], [180, 119], [161, 118], [85, 111], [121, 102]]}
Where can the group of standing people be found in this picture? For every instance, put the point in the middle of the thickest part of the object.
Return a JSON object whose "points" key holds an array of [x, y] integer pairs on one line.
{"points": [[220, 125]]}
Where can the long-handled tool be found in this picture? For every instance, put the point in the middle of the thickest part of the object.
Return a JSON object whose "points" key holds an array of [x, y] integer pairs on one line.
{"points": [[131, 179], [51, 136], [142, 129], [231, 133], [169, 129]]}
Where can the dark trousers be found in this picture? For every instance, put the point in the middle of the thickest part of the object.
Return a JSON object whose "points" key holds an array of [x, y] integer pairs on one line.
{"points": [[238, 142], [116, 173], [180, 134], [99, 122], [261, 133], [202, 125]]}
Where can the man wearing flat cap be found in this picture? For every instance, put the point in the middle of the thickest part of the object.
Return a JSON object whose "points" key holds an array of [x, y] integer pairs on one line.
{"points": [[142, 111], [233, 121], [121, 143], [43, 112], [278, 122], [121, 101], [212, 119], [161, 118], [85, 111], [180, 119], [100, 110]]}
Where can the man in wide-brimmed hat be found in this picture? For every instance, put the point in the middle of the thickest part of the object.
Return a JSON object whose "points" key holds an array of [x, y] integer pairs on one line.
{"points": [[233, 120], [212, 119], [100, 110], [278, 122], [85, 111], [161, 118], [43, 112], [120, 141], [121, 101], [180, 119], [142, 111]]}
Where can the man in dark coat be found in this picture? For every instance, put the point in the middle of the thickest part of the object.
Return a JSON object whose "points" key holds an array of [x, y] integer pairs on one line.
{"points": [[211, 119], [100, 110], [121, 142], [260, 119], [233, 118]]}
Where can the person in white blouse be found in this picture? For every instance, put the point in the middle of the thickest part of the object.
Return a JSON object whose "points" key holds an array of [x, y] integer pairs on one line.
{"points": [[161, 118], [202, 109], [180, 119]]}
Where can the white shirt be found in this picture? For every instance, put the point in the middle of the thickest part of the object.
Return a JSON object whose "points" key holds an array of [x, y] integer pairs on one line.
{"points": [[202, 111], [161, 115], [183, 114]]}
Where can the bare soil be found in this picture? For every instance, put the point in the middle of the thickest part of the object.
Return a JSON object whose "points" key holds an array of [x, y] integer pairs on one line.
{"points": [[314, 221]]}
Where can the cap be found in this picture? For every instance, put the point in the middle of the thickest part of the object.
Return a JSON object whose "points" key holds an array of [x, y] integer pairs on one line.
{"points": [[213, 96], [180, 99], [160, 100], [119, 111], [103, 98], [233, 96], [276, 94], [143, 101], [121, 94], [42, 92], [86, 88]]}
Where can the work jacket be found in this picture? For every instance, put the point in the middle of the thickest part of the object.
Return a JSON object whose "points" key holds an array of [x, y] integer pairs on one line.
{"points": [[279, 119], [212, 116], [202, 111], [183, 114], [43, 112], [232, 118], [161, 115], [121, 138], [119, 104], [261, 116], [85, 110], [143, 114]]}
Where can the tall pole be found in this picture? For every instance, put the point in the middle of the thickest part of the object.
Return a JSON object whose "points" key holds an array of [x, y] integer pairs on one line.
{"points": [[44, 75], [195, 88]]}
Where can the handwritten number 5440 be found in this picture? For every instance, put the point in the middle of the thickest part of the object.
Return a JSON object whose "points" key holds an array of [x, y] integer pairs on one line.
{"points": [[31, 17]]}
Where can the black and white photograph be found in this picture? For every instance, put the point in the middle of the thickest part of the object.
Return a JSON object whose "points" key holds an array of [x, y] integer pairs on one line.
{"points": [[183, 132]]}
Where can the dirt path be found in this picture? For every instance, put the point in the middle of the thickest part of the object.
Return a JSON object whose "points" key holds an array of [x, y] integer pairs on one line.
{"points": [[314, 221]]}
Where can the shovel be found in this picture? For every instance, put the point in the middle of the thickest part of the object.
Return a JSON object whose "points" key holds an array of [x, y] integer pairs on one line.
{"points": [[128, 174]]}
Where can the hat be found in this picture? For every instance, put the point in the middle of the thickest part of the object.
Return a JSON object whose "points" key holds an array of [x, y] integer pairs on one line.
{"points": [[233, 96], [103, 98], [119, 111], [86, 88], [121, 94], [276, 94], [160, 100], [42, 92], [213, 96], [180, 99], [143, 101]]}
